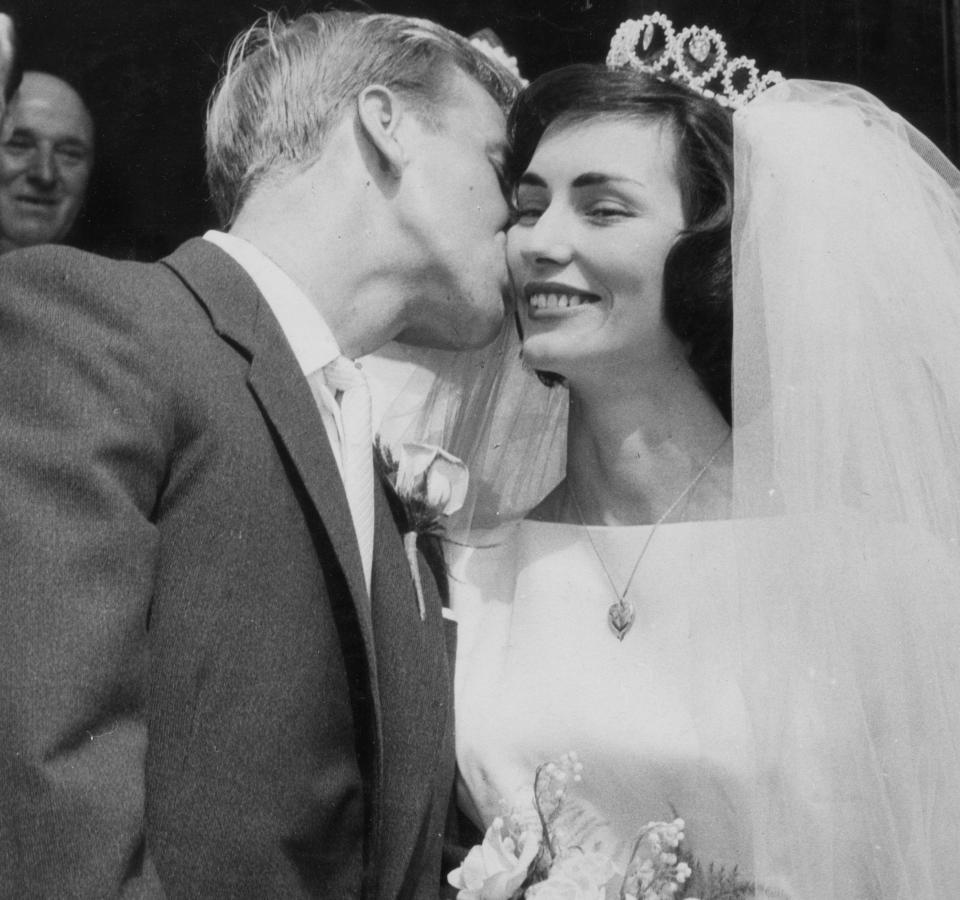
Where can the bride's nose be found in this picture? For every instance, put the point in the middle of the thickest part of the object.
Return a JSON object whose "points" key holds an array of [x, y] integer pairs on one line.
{"points": [[547, 240]]}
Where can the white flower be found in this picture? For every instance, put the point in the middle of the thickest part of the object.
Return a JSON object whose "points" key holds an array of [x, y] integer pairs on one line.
{"points": [[428, 473], [495, 869], [560, 887], [577, 876], [430, 483]]}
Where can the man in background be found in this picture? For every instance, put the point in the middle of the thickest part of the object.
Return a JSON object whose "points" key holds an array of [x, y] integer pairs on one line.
{"points": [[46, 155]]}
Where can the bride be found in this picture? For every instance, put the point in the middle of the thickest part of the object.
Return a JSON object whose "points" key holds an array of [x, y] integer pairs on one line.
{"points": [[740, 605]]}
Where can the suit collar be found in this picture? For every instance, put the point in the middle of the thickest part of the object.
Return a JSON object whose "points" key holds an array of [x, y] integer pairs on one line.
{"points": [[222, 288], [309, 336]]}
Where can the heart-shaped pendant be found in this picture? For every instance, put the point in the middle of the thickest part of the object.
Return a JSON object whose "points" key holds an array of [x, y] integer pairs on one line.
{"points": [[620, 617]]}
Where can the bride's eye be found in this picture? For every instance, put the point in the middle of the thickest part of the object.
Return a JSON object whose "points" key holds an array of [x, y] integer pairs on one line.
{"points": [[607, 211], [527, 208], [527, 214]]}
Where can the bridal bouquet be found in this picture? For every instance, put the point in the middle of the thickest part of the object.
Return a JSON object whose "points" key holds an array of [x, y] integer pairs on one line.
{"points": [[531, 853]]}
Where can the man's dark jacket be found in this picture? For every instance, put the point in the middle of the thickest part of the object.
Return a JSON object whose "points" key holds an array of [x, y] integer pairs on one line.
{"points": [[197, 696]]}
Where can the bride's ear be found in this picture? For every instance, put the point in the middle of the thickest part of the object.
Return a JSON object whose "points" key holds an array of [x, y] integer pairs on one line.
{"points": [[379, 112]]}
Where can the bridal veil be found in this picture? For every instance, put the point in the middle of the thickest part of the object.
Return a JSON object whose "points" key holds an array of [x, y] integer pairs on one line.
{"points": [[846, 386]]}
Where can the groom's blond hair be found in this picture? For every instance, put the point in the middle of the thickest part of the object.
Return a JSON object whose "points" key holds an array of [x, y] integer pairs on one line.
{"points": [[286, 84]]}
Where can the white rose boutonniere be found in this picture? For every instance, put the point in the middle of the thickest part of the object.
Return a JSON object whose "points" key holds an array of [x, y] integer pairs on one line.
{"points": [[431, 484]]}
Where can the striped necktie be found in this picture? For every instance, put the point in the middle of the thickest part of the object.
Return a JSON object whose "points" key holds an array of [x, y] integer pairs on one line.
{"points": [[346, 380]]}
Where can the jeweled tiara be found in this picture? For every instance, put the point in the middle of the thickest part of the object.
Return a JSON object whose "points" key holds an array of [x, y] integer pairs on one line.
{"points": [[696, 57]]}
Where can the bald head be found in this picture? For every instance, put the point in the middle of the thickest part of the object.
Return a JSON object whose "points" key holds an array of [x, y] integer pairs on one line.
{"points": [[46, 154]]}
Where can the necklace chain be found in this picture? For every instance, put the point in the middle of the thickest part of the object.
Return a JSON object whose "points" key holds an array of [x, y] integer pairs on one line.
{"points": [[625, 611]]}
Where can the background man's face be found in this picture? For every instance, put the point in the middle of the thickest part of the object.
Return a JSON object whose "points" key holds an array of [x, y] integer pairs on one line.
{"points": [[46, 154]]}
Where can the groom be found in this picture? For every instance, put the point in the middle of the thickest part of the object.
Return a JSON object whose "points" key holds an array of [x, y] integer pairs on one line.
{"points": [[214, 677]]}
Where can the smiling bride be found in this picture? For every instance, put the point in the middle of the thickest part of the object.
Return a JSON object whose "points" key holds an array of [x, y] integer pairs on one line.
{"points": [[733, 588]]}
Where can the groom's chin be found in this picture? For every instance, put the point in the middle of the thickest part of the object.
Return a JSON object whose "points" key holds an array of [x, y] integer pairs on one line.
{"points": [[471, 333]]}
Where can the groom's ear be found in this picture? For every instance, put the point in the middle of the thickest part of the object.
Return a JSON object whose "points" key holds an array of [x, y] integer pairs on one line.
{"points": [[379, 112]]}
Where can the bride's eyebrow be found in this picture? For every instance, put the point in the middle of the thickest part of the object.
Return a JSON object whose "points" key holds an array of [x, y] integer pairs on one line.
{"points": [[592, 179], [531, 179], [588, 179]]}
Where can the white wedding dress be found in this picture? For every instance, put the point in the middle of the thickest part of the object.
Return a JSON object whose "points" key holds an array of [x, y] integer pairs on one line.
{"points": [[676, 719], [539, 673]]}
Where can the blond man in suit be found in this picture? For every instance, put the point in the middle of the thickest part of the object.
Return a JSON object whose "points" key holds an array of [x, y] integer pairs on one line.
{"points": [[214, 681]]}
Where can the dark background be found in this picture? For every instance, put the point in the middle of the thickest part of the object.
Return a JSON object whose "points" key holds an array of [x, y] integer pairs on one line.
{"points": [[146, 69]]}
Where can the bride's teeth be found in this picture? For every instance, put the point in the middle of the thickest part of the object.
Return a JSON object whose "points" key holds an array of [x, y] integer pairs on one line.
{"points": [[556, 301]]}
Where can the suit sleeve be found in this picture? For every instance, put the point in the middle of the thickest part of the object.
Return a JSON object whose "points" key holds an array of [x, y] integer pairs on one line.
{"points": [[81, 464]]}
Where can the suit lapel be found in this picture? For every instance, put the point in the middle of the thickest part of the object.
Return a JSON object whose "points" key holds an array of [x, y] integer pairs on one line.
{"points": [[415, 694], [241, 315], [289, 405]]}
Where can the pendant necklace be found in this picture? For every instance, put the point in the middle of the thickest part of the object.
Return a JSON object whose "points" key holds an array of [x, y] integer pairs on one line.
{"points": [[622, 612]]}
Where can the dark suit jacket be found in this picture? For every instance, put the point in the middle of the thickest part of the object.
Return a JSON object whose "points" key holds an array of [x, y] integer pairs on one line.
{"points": [[197, 698]]}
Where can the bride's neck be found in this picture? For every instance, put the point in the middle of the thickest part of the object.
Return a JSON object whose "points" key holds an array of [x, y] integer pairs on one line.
{"points": [[632, 453]]}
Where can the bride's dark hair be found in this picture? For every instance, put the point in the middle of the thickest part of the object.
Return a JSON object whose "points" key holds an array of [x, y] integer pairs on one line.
{"points": [[697, 280]]}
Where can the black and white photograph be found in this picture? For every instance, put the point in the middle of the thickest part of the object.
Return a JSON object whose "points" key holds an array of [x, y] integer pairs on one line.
{"points": [[458, 450]]}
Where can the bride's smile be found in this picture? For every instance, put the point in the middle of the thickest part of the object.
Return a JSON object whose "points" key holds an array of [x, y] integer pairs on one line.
{"points": [[550, 298]]}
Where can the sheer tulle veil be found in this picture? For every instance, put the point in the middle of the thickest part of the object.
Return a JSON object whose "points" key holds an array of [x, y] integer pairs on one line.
{"points": [[846, 387]]}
